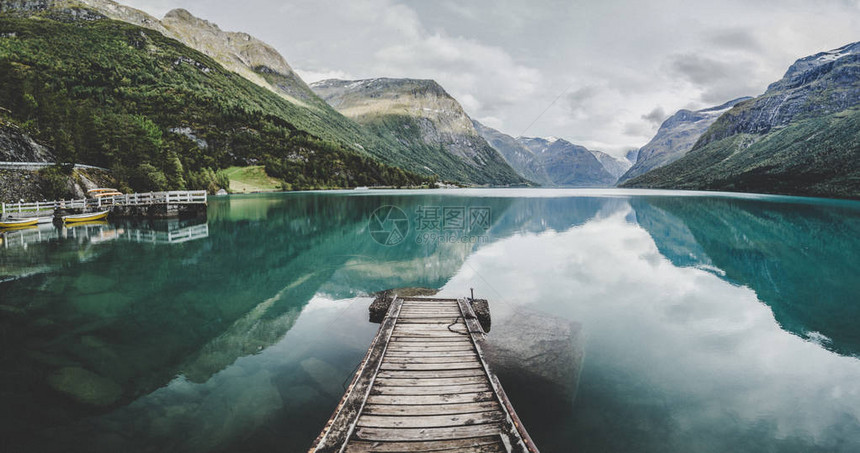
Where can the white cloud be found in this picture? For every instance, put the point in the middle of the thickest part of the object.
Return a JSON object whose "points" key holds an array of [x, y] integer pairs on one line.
{"points": [[311, 76], [510, 59]]}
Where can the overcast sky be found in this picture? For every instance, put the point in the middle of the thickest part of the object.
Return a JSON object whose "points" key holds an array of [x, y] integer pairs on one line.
{"points": [[600, 73]]}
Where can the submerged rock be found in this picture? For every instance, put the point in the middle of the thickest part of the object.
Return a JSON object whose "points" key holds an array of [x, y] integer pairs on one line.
{"points": [[540, 352], [85, 386]]}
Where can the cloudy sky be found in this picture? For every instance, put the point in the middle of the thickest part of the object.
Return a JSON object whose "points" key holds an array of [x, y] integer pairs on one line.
{"points": [[601, 73]]}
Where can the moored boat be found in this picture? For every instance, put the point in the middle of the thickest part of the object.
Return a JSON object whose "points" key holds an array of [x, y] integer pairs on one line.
{"points": [[88, 217], [102, 192], [19, 223]]}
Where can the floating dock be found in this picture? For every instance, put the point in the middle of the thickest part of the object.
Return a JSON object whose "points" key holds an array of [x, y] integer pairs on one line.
{"points": [[424, 386]]}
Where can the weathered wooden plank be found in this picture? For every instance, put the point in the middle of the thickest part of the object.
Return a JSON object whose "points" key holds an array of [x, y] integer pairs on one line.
{"points": [[386, 366], [427, 334], [454, 432], [410, 303], [412, 374], [471, 445], [417, 347], [430, 421], [442, 332], [436, 390], [424, 342], [441, 329], [429, 366], [444, 320], [444, 398], [431, 382], [430, 409], [429, 357], [441, 341], [428, 299], [436, 327]]}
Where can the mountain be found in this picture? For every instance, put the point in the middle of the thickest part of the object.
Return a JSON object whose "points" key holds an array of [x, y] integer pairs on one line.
{"points": [[675, 138], [564, 164], [554, 162], [801, 137], [615, 167], [431, 126], [160, 114], [515, 154]]}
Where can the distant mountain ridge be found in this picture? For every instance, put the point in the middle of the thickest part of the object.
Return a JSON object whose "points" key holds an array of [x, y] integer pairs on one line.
{"points": [[566, 164], [801, 137], [555, 162], [515, 154], [675, 138], [420, 115]]}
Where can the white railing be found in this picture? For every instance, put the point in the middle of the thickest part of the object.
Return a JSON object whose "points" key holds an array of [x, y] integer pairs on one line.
{"points": [[151, 198], [134, 199], [12, 208]]}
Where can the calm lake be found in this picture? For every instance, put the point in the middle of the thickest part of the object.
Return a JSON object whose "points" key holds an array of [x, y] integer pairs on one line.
{"points": [[702, 323]]}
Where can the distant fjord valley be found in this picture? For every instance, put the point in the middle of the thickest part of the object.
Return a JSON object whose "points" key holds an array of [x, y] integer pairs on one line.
{"points": [[178, 103]]}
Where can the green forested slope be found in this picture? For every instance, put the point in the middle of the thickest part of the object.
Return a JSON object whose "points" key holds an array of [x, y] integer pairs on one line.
{"points": [[801, 137], [812, 157], [162, 115]]}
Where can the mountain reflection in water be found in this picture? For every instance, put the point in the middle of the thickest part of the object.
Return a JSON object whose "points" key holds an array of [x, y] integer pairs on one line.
{"points": [[710, 323]]}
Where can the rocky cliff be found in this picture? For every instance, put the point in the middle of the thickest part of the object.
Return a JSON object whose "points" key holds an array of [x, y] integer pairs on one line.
{"points": [[17, 146], [801, 137], [675, 138], [424, 118]]}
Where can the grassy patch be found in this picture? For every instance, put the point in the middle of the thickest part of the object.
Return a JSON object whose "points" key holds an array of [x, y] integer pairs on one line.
{"points": [[251, 179]]}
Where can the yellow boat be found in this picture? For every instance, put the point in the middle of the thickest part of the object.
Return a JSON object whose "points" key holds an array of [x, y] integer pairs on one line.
{"points": [[19, 223], [86, 217], [103, 192]]}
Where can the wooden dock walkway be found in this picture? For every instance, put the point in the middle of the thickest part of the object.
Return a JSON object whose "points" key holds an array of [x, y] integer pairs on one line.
{"points": [[424, 386], [169, 202]]}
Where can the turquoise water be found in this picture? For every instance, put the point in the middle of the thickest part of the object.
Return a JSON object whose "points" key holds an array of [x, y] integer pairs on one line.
{"points": [[704, 322]]}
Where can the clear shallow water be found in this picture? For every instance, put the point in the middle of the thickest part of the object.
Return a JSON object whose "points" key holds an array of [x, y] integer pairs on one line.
{"points": [[708, 323]]}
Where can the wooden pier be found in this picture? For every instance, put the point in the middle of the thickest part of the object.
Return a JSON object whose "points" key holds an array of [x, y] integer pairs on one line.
{"points": [[424, 386], [148, 204]]}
